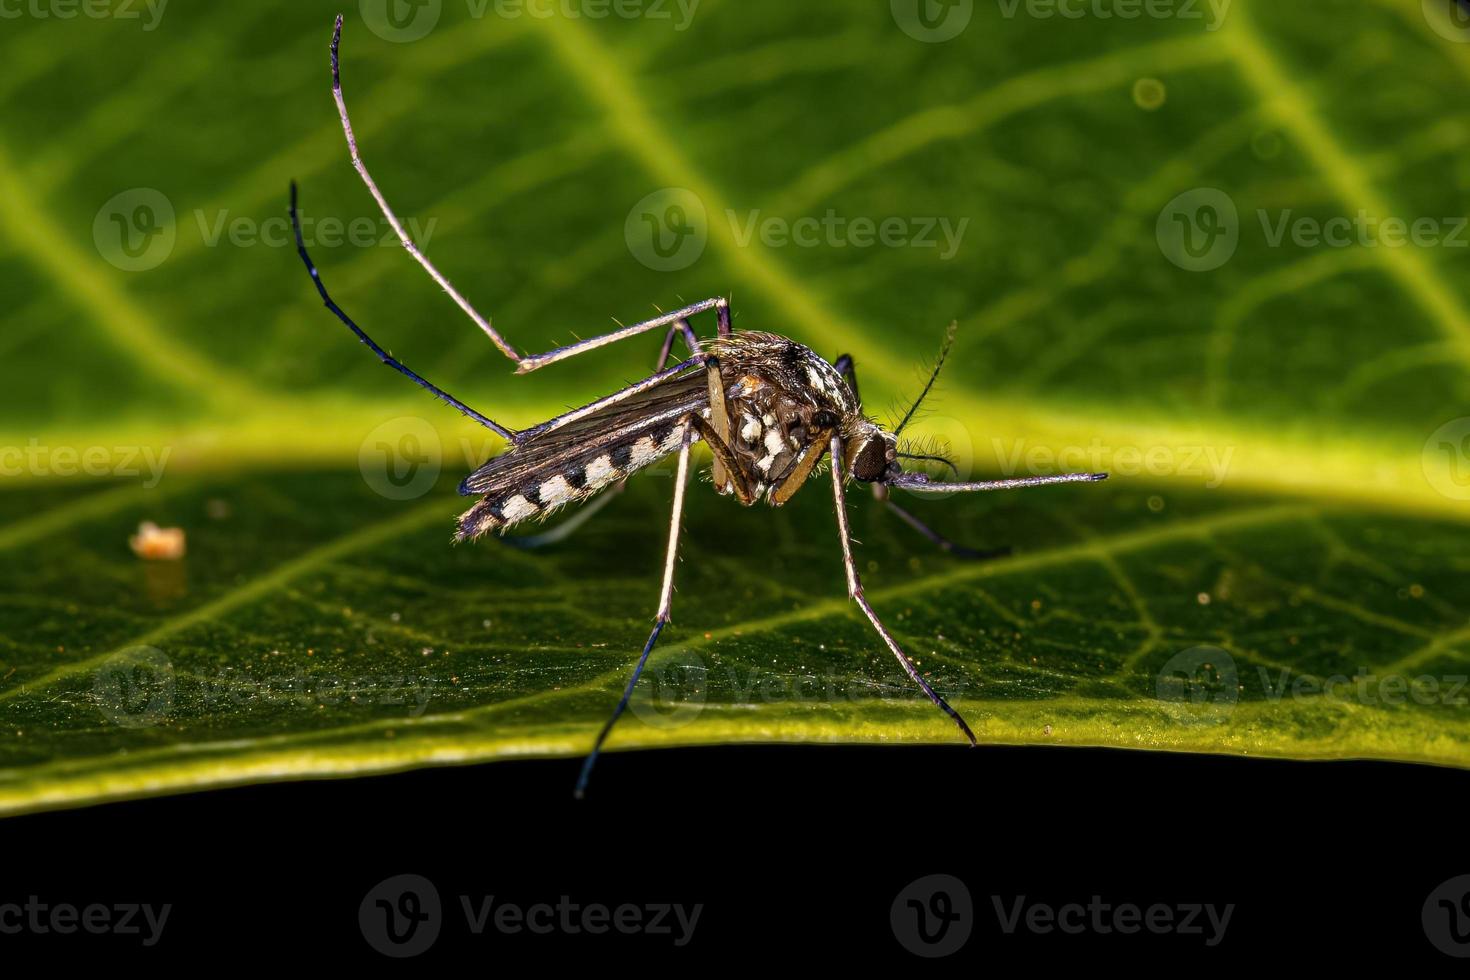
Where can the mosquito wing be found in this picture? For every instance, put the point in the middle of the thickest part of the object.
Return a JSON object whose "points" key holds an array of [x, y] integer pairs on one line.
{"points": [[571, 463]]}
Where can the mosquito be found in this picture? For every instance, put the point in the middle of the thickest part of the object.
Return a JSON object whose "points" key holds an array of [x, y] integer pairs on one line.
{"points": [[769, 409]]}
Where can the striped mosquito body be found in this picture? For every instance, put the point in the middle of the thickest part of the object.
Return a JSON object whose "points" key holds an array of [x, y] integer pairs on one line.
{"points": [[784, 400], [769, 410], [568, 465]]}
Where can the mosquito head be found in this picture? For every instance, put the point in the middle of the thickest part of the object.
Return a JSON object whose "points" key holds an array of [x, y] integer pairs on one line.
{"points": [[871, 454]]}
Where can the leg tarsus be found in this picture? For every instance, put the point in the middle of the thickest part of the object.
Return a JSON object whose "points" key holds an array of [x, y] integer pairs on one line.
{"points": [[945, 544], [591, 760], [666, 597], [372, 345], [855, 591]]}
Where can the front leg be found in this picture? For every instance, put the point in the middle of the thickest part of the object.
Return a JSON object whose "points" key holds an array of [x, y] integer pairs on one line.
{"points": [[855, 592], [848, 370], [725, 459], [719, 421]]}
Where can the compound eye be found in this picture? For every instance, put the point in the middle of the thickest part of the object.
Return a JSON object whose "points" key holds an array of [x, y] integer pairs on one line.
{"points": [[871, 462]]}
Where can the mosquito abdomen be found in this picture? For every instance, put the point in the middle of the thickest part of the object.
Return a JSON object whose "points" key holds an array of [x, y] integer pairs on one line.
{"points": [[538, 491]]}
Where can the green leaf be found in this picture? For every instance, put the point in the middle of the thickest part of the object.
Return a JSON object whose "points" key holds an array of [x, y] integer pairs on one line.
{"points": [[1277, 566]]}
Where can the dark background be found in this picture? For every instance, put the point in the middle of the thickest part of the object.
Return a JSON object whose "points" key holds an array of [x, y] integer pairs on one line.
{"points": [[796, 854]]}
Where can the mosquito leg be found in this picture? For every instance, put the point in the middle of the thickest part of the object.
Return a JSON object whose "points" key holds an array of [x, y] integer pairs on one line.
{"points": [[944, 544], [398, 229], [722, 316], [848, 370], [524, 362], [725, 457], [383, 355], [855, 591], [690, 340], [531, 362], [652, 381], [568, 527], [719, 418], [665, 603]]}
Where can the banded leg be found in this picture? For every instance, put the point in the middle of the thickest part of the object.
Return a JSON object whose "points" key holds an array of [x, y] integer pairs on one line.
{"points": [[848, 370], [665, 604], [524, 362], [855, 591]]}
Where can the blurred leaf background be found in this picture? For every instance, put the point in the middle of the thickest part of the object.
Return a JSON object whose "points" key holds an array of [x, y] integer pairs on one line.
{"points": [[1285, 418]]}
